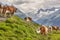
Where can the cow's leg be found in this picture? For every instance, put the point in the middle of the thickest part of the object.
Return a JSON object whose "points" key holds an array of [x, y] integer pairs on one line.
{"points": [[8, 15], [5, 15], [43, 33], [12, 14], [56, 29], [46, 33], [1, 12]]}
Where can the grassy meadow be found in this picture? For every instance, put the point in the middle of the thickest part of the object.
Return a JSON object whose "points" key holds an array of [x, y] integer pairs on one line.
{"points": [[15, 28]]}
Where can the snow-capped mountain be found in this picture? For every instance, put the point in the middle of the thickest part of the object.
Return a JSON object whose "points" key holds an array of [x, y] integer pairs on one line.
{"points": [[50, 17], [45, 12], [45, 16]]}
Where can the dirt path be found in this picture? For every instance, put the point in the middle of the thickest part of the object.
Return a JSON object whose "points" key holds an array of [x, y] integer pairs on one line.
{"points": [[2, 19]]}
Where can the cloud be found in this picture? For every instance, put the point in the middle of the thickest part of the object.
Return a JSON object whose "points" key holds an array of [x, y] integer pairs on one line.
{"points": [[29, 5]]}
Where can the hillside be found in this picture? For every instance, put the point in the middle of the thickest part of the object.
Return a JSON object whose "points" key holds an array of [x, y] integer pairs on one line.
{"points": [[15, 28]]}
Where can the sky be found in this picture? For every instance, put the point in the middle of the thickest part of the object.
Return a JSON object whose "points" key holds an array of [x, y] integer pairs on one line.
{"points": [[30, 5]]}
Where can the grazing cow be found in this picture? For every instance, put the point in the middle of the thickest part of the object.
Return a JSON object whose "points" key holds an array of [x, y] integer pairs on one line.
{"points": [[28, 19], [55, 28], [9, 10], [43, 30]]}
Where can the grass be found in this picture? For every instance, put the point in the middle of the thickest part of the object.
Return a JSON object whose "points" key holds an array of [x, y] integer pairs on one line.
{"points": [[15, 28]]}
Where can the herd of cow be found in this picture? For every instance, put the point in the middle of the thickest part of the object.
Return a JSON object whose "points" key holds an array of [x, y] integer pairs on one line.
{"points": [[44, 29], [6, 10]]}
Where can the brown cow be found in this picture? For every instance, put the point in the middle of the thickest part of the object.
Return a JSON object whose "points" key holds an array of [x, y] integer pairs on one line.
{"points": [[55, 28], [12, 9], [28, 19], [9, 10], [51, 28], [43, 30]]}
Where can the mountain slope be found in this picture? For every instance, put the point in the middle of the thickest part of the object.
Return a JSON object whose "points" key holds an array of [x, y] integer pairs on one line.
{"points": [[15, 28]]}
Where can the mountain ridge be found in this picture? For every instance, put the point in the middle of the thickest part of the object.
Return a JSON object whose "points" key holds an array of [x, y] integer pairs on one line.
{"points": [[45, 17]]}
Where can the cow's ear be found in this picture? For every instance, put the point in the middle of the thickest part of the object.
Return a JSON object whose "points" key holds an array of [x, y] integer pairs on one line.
{"points": [[16, 8]]}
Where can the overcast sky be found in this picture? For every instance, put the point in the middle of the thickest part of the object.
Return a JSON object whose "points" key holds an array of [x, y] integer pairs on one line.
{"points": [[29, 5]]}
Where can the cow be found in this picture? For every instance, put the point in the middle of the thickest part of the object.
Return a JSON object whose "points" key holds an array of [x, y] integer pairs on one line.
{"points": [[28, 19], [9, 10], [55, 28], [43, 30], [50, 29]]}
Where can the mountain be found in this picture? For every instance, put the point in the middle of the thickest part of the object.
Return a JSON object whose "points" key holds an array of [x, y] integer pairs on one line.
{"points": [[51, 19], [47, 16]]}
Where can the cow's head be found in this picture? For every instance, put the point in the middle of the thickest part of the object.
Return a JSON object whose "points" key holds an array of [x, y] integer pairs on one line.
{"points": [[38, 30]]}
